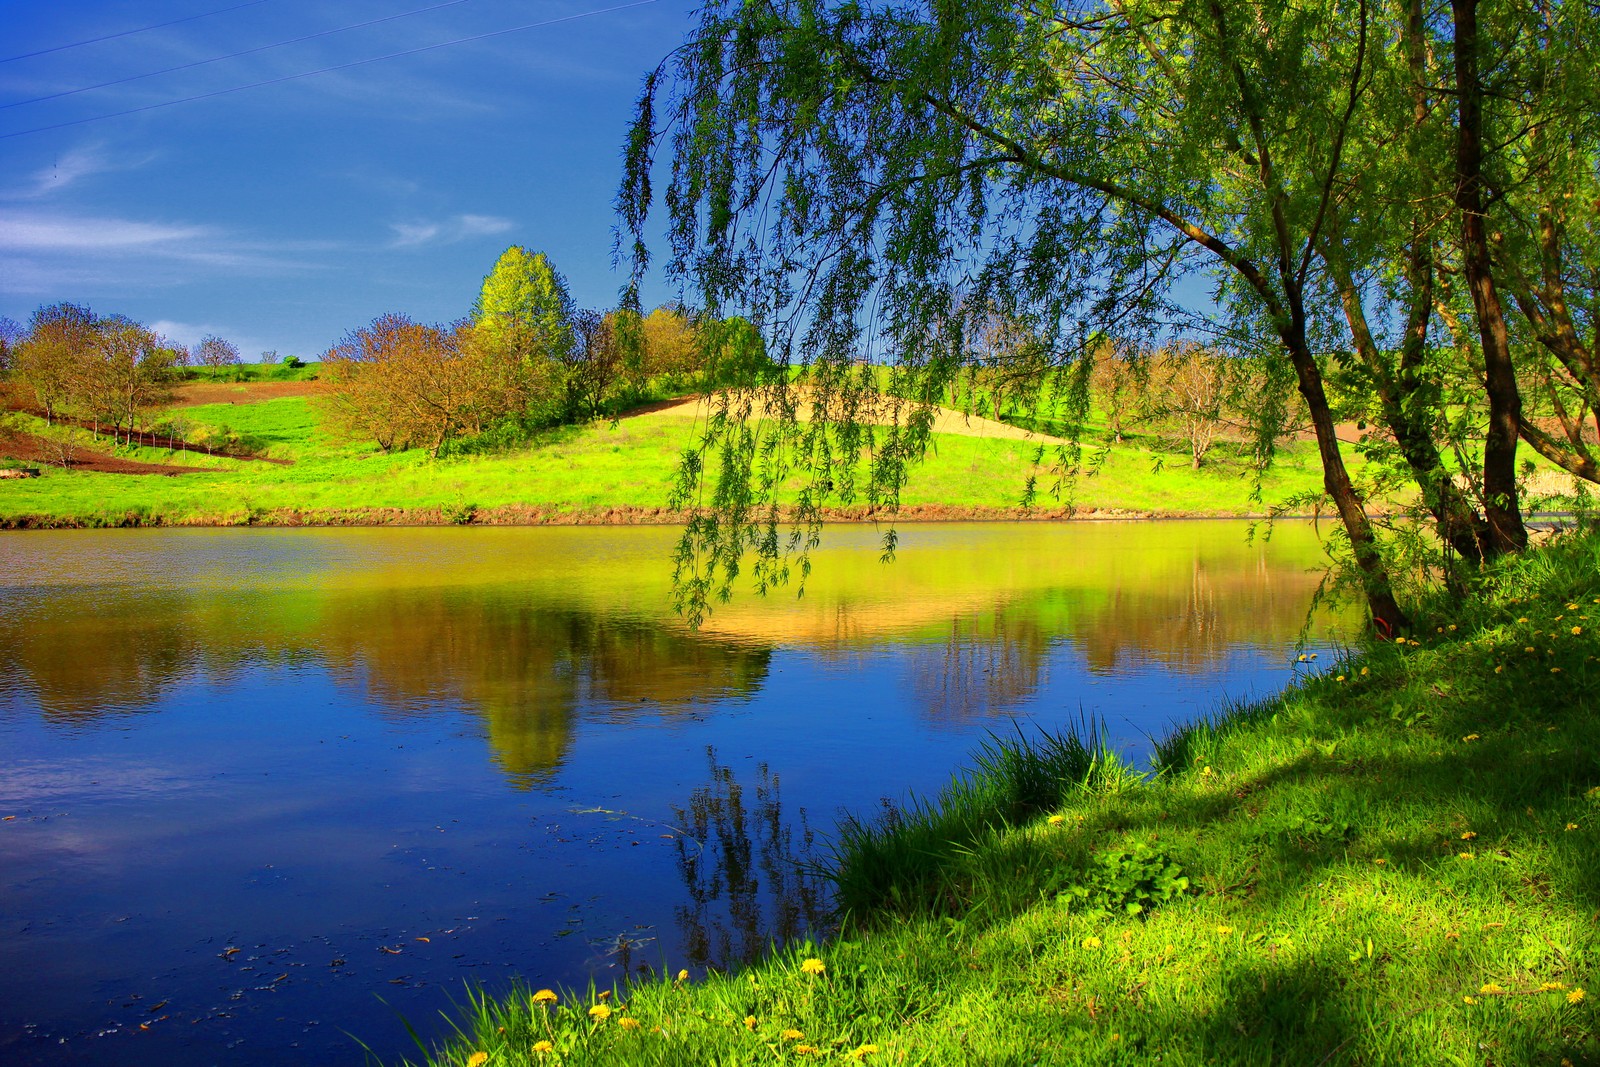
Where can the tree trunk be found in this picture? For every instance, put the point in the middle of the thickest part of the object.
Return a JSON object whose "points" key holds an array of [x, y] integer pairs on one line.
{"points": [[1501, 508]]}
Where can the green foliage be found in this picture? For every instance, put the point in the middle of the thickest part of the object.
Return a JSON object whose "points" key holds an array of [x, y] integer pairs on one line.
{"points": [[1126, 881]]}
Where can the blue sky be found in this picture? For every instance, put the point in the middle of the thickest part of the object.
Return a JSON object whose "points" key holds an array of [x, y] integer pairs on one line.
{"points": [[283, 215]]}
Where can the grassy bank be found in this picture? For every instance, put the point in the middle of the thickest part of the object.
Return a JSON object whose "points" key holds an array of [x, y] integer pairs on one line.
{"points": [[1396, 862], [600, 472]]}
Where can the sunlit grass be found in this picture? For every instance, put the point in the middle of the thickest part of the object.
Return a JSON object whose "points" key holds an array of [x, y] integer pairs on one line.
{"points": [[599, 470]]}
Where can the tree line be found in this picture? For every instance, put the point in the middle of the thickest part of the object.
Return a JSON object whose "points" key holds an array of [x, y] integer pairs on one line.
{"points": [[525, 357]]}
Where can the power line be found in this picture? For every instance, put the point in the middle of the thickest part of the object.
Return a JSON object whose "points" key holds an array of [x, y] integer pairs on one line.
{"points": [[129, 33], [232, 55], [326, 70]]}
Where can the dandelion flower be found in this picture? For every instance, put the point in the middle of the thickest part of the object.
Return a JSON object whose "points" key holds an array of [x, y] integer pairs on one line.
{"points": [[1056, 820], [1468, 835], [683, 975], [1224, 931], [1576, 630], [1452, 627], [1365, 672], [1091, 943], [1522, 620], [863, 1052], [542, 1047], [601, 1012], [1576, 996], [1463, 855], [545, 996], [749, 1022], [1572, 826], [1530, 648], [1498, 670], [1555, 670], [1572, 607], [803, 1050], [813, 966], [1470, 737], [477, 1059], [1552, 987], [628, 1023], [1340, 678], [1469, 1000], [1490, 989], [793, 1035]]}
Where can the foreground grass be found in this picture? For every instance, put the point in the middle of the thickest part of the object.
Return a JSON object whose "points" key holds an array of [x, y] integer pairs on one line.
{"points": [[1396, 862], [590, 470]]}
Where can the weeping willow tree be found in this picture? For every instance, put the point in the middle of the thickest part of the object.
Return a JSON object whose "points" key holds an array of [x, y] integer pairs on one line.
{"points": [[874, 183]]}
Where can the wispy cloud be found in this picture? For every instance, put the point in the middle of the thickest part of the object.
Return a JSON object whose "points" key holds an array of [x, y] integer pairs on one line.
{"points": [[41, 250], [448, 231], [70, 169]]}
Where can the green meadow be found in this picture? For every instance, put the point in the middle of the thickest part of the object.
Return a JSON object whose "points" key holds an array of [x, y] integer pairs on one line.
{"points": [[1395, 862], [619, 470]]}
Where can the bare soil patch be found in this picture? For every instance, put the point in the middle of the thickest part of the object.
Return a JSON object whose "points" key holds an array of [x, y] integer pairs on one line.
{"points": [[32, 449], [193, 394]]}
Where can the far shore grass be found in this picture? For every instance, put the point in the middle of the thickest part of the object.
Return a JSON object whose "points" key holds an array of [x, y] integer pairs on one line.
{"points": [[606, 471], [1395, 862]]}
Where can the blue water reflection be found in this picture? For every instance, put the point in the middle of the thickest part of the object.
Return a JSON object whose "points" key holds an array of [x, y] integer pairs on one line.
{"points": [[253, 781]]}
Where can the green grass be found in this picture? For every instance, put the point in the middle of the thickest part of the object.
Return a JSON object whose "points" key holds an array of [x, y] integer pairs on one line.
{"points": [[1396, 862], [592, 470]]}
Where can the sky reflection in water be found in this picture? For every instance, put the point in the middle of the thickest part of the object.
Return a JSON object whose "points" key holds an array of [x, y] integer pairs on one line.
{"points": [[259, 779]]}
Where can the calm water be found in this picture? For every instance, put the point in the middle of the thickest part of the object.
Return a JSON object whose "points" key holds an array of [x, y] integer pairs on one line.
{"points": [[254, 781]]}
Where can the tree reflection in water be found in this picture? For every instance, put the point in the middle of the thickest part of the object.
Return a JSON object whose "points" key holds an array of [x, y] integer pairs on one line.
{"points": [[751, 881]]}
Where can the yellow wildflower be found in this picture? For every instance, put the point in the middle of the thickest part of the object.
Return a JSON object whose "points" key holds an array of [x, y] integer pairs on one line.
{"points": [[1091, 943], [1452, 627], [749, 1022], [1470, 737], [803, 1050], [477, 1059], [628, 1023], [601, 1012], [1576, 630], [542, 1047], [792, 1035], [1522, 620], [1468, 835], [1340, 678], [1530, 648], [1224, 931], [813, 966], [1555, 670], [1552, 987], [1469, 1000], [1490, 989], [1497, 670], [1056, 820], [545, 996], [1576, 996], [683, 975], [1365, 672], [1463, 855], [1572, 607], [863, 1052], [1572, 826]]}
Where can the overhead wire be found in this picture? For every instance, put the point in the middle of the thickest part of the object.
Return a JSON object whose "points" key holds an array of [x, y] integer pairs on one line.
{"points": [[232, 55], [327, 70], [130, 33]]}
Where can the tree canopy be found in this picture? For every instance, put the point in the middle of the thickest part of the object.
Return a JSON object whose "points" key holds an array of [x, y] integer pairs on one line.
{"points": [[1358, 181]]}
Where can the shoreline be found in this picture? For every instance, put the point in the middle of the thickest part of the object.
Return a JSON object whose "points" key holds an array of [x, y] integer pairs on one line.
{"points": [[554, 515]]}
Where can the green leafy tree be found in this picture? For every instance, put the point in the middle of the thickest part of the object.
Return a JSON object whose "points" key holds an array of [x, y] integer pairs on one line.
{"points": [[524, 318], [862, 180], [51, 359]]}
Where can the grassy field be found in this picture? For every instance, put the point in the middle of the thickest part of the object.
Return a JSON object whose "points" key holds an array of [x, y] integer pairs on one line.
{"points": [[604, 471], [1396, 862]]}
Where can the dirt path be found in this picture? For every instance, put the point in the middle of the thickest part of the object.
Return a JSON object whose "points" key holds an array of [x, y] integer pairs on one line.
{"points": [[945, 420], [32, 449]]}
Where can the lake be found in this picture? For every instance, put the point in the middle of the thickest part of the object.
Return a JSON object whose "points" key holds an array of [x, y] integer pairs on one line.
{"points": [[267, 796]]}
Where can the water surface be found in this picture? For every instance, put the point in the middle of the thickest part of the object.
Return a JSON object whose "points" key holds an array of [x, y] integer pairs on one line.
{"points": [[253, 781]]}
